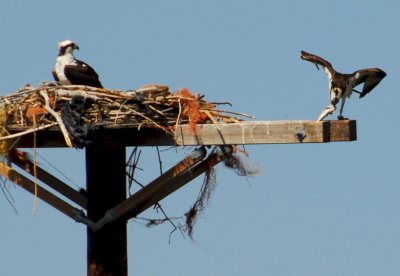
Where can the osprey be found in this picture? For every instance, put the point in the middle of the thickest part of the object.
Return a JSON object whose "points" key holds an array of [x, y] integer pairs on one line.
{"points": [[341, 86], [69, 70]]}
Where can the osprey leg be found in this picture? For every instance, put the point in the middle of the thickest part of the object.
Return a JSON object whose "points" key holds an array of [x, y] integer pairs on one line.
{"points": [[340, 117]]}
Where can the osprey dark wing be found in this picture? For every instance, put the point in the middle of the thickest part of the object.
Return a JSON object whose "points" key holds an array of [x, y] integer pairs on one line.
{"points": [[371, 77], [55, 75], [316, 60], [82, 74]]}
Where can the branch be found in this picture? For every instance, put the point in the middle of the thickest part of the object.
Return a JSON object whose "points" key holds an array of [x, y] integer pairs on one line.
{"points": [[57, 117], [15, 135]]}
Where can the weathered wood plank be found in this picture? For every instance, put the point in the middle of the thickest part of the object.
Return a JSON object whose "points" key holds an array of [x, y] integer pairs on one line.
{"points": [[342, 131], [268, 132], [42, 193], [249, 132], [50, 180]]}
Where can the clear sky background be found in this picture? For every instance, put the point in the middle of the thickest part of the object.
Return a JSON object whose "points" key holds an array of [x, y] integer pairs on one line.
{"points": [[314, 209]]}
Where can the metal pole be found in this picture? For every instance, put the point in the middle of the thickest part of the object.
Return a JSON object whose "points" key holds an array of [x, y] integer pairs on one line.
{"points": [[106, 188]]}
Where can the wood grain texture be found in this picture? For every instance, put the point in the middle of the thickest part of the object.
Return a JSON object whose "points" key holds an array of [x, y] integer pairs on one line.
{"points": [[248, 132]]}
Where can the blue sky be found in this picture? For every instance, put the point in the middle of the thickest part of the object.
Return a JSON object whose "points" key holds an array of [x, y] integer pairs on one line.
{"points": [[321, 209]]}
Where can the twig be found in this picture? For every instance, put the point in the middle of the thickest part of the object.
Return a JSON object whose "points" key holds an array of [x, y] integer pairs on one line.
{"points": [[57, 117], [147, 118], [93, 90], [15, 135], [232, 112], [220, 103], [174, 96], [7, 194], [179, 113], [156, 110], [211, 117], [68, 93], [119, 111], [159, 160], [132, 166]]}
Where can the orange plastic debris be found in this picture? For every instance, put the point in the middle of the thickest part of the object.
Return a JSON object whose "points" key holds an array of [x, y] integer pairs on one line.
{"points": [[191, 109], [33, 111]]}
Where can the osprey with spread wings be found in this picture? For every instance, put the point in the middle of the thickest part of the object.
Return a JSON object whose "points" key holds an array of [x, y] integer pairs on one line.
{"points": [[341, 86]]}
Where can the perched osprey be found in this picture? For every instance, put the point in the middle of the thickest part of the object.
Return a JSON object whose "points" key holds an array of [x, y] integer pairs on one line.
{"points": [[69, 70], [341, 86]]}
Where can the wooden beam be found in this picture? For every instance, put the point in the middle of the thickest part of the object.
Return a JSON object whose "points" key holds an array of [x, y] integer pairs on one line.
{"points": [[343, 131], [267, 132], [43, 194], [248, 132], [50, 180]]}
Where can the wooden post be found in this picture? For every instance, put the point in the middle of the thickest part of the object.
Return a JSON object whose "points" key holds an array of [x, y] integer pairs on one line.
{"points": [[106, 187]]}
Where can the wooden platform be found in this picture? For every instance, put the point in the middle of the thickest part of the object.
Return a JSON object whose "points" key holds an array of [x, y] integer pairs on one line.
{"points": [[105, 209], [249, 132]]}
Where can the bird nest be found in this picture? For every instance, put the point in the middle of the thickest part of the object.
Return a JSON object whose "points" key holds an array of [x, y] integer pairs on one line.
{"points": [[77, 110]]}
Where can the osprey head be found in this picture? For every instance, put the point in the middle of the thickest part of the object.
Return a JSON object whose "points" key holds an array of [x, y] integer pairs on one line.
{"points": [[67, 47]]}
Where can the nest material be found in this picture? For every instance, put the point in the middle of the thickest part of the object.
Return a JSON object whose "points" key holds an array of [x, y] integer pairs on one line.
{"points": [[78, 109]]}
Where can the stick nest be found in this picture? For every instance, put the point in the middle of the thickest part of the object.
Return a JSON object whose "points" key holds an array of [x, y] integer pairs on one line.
{"points": [[79, 109]]}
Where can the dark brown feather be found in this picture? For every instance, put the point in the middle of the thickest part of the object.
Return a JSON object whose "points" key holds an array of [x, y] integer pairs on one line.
{"points": [[82, 74], [371, 77], [316, 59], [55, 75]]}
